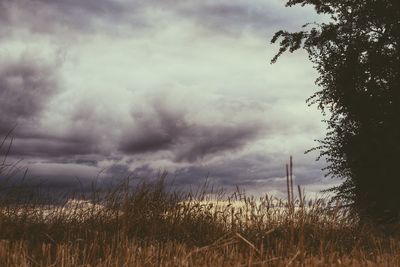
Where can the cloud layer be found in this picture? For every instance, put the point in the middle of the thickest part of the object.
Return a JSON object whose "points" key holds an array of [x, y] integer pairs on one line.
{"points": [[136, 87], [25, 87], [166, 126]]}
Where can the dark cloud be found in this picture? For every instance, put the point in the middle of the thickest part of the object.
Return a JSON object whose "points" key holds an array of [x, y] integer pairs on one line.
{"points": [[77, 133], [89, 6], [153, 133], [165, 129], [254, 171], [47, 148], [4, 16], [217, 139], [231, 17], [86, 160], [26, 85], [48, 16], [261, 173]]}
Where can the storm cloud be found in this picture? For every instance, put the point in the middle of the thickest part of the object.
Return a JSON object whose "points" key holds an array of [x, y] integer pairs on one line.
{"points": [[46, 16], [117, 88], [166, 129], [122, 17], [232, 17], [26, 85]]}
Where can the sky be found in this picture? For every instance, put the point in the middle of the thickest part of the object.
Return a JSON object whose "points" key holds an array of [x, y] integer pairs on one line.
{"points": [[105, 89]]}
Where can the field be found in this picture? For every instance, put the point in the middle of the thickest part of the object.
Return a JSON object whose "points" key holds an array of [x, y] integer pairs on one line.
{"points": [[150, 226]]}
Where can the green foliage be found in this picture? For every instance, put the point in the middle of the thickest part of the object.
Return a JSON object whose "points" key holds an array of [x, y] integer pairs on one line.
{"points": [[357, 57]]}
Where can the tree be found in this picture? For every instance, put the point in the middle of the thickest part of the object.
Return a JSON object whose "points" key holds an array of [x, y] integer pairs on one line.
{"points": [[356, 54]]}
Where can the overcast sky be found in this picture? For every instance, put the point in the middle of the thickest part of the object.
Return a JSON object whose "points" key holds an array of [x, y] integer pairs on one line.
{"points": [[130, 87]]}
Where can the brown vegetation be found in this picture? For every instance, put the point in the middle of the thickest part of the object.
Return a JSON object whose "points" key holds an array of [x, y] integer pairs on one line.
{"points": [[149, 226]]}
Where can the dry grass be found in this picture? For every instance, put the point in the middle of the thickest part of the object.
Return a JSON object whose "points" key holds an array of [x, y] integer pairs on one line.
{"points": [[149, 226]]}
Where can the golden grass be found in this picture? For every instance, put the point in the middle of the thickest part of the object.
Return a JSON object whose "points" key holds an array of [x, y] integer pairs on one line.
{"points": [[149, 226]]}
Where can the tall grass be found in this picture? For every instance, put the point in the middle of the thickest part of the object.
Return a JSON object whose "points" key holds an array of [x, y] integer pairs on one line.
{"points": [[148, 225]]}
